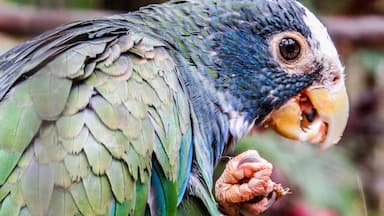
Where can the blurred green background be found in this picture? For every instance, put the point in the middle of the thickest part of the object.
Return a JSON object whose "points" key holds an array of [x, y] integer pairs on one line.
{"points": [[345, 180]]}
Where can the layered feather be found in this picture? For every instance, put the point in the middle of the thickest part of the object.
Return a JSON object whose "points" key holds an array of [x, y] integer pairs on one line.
{"points": [[81, 135]]}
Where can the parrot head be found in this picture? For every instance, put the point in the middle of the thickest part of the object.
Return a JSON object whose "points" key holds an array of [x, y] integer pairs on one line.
{"points": [[278, 66]]}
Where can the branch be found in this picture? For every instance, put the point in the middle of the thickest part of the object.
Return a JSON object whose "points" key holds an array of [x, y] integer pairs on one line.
{"points": [[350, 31], [31, 21], [356, 31]]}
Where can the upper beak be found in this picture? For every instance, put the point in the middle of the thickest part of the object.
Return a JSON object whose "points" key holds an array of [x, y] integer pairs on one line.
{"points": [[319, 114]]}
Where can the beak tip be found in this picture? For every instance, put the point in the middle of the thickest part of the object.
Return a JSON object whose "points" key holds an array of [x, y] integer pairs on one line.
{"points": [[332, 109], [326, 145]]}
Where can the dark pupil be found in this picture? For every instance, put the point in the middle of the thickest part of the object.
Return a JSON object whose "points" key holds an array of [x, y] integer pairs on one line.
{"points": [[289, 49]]}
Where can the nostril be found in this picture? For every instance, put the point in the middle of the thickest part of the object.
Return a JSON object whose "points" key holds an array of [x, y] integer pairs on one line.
{"points": [[336, 78]]}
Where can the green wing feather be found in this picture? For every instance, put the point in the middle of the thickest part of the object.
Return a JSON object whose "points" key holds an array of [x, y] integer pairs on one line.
{"points": [[81, 134]]}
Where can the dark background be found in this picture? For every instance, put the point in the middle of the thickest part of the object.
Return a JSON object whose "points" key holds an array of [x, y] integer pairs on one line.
{"points": [[345, 180]]}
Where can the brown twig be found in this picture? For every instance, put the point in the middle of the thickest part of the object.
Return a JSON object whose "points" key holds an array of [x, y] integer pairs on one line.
{"points": [[356, 31], [362, 30], [31, 21]]}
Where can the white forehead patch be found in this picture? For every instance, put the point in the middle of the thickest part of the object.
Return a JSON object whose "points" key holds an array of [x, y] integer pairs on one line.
{"points": [[319, 34], [326, 50]]}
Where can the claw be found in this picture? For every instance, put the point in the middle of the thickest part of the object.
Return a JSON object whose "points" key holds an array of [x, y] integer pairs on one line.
{"points": [[245, 186], [249, 160]]}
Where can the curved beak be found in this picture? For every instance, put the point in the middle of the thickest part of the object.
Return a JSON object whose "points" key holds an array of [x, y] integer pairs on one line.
{"points": [[318, 115]]}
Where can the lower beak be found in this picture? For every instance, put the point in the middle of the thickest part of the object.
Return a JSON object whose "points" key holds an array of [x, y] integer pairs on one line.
{"points": [[317, 115]]}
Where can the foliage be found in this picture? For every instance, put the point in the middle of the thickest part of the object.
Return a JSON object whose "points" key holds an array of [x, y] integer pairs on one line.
{"points": [[323, 179]]}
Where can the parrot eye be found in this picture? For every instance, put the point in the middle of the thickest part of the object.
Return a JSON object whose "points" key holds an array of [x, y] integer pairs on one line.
{"points": [[289, 49]]}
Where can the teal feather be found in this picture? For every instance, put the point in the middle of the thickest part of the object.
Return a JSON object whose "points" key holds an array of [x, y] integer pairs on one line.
{"points": [[185, 164], [157, 201]]}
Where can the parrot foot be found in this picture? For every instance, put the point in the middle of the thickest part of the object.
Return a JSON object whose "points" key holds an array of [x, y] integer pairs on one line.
{"points": [[245, 187]]}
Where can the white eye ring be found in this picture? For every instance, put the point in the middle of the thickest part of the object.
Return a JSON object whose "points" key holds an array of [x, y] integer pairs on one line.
{"points": [[289, 48]]}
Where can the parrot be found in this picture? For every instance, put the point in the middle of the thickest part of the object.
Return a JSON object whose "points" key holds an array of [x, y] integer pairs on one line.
{"points": [[130, 114]]}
